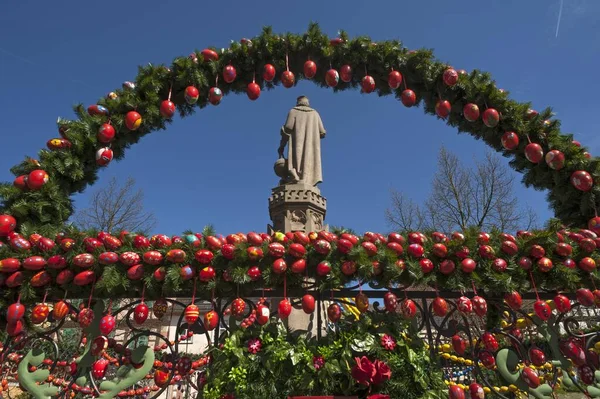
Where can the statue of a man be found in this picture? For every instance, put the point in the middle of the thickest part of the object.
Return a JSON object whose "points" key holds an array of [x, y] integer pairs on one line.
{"points": [[303, 131]]}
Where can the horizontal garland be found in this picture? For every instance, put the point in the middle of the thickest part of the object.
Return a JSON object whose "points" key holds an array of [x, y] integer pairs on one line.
{"points": [[470, 102], [216, 266]]}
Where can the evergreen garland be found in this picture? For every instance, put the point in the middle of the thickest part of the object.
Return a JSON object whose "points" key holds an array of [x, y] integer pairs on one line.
{"points": [[72, 170]]}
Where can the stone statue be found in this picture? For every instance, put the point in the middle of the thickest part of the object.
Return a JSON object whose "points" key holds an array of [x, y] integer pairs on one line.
{"points": [[302, 132]]}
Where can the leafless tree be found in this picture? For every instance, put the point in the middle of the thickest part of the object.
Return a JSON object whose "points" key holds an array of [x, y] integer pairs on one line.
{"points": [[116, 208], [461, 198]]}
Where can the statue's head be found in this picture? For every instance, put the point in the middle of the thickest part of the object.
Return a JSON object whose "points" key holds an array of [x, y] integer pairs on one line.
{"points": [[302, 100]]}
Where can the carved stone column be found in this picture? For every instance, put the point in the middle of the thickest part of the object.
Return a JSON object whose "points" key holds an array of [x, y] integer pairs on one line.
{"points": [[297, 207]]}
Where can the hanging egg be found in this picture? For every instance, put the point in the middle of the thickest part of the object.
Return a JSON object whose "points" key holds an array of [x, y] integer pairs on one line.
{"points": [[40, 279], [159, 308], [530, 377], [167, 109], [394, 79], [269, 72], [112, 96], [310, 69], [15, 312], [60, 310], [288, 79], [562, 303], [211, 320], [263, 314], [128, 85], [191, 95], [107, 324], [440, 307], [464, 305], [332, 77], [215, 95], [362, 302], [308, 304], [537, 356], [14, 280], [489, 341], [238, 307], [39, 313], [408, 308], [459, 344], [490, 117], [450, 77], [99, 345], [513, 300], [104, 156], [584, 295], [534, 152], [476, 391], [346, 73], [487, 359], [284, 308], [229, 73], [184, 365], [443, 108], [479, 306], [542, 309], [253, 91], [334, 312], [160, 274], [456, 392], [161, 377], [368, 84], [133, 120], [14, 329], [99, 368], [85, 317], [191, 314], [390, 301]]}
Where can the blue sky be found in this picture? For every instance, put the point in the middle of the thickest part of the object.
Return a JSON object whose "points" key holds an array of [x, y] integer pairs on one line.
{"points": [[216, 166]]}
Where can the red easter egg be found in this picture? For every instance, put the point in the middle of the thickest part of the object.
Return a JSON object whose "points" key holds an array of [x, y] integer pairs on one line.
{"points": [[20, 182], [60, 310], [191, 95], [84, 260], [416, 250], [209, 55], [487, 359], [471, 112], [176, 256], [40, 279], [362, 302], [191, 314], [15, 312], [530, 377], [284, 309], [490, 117], [310, 69], [464, 305], [161, 378], [9, 265], [140, 313], [443, 108], [269, 72], [107, 324], [298, 266], [167, 109], [323, 268], [14, 280], [348, 268], [39, 313], [106, 133], [544, 264], [334, 312], [555, 159], [537, 356], [426, 265], [408, 98], [108, 258], [440, 307], [581, 180], [279, 266], [64, 277], [308, 304], [133, 120], [14, 329], [390, 301], [509, 248], [479, 306], [263, 314], [34, 263], [468, 265], [534, 152], [459, 344], [456, 392], [450, 77], [253, 91], [394, 79], [476, 391], [587, 264], [85, 277], [346, 73], [562, 303], [135, 272], [211, 320], [368, 84], [104, 156], [489, 342], [129, 258], [37, 179], [85, 317], [153, 258], [288, 79], [160, 274], [207, 274], [542, 309], [99, 368], [229, 73], [447, 266], [238, 307], [215, 95], [514, 300], [585, 297]]}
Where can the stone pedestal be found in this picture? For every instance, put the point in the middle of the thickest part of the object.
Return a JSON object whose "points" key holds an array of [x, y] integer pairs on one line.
{"points": [[297, 207]]}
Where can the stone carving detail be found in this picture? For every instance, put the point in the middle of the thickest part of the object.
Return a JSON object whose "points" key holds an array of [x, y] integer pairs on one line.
{"points": [[317, 220], [297, 218]]}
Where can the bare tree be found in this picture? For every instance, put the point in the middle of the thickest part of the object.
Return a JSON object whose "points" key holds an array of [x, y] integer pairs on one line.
{"points": [[460, 198], [116, 208]]}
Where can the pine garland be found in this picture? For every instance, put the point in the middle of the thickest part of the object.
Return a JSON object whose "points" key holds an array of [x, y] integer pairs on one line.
{"points": [[72, 170], [386, 268]]}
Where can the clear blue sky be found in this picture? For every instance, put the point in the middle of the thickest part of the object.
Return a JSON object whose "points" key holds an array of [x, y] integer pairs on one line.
{"points": [[216, 166]]}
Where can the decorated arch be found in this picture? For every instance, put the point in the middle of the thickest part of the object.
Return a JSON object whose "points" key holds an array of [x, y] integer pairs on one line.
{"points": [[464, 292]]}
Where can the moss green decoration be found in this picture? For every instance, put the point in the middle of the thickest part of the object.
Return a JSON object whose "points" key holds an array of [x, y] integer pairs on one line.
{"points": [[30, 380]]}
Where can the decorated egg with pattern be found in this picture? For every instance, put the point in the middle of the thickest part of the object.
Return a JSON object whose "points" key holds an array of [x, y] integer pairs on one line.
{"points": [[129, 258], [191, 314], [34, 263], [112, 242], [85, 277], [108, 258], [238, 307], [84, 260], [140, 313], [107, 324], [20, 244], [135, 272], [60, 310], [85, 317], [464, 305], [176, 256], [39, 313], [408, 308], [91, 244], [56, 262], [40, 279], [153, 258], [211, 320], [479, 306], [159, 308]]}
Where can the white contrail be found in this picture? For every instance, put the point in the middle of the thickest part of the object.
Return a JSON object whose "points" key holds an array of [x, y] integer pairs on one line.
{"points": [[559, 16]]}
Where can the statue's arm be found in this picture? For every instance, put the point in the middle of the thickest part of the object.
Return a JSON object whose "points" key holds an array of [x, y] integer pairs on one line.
{"points": [[289, 123], [322, 130]]}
